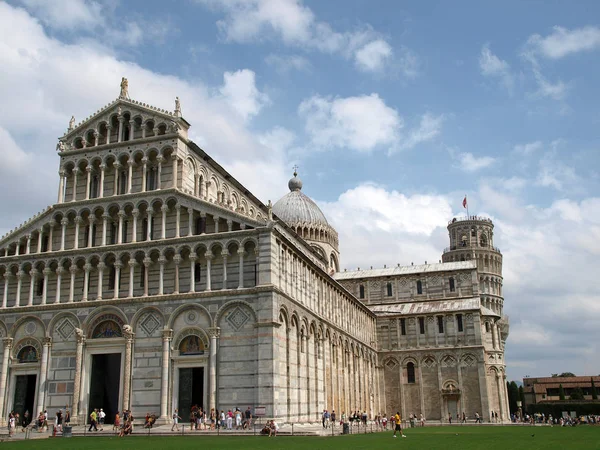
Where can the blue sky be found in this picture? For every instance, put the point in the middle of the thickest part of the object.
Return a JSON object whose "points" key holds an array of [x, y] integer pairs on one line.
{"points": [[393, 111]]}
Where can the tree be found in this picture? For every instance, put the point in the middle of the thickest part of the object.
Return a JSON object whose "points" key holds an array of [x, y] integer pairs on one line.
{"points": [[594, 393], [576, 394], [522, 395], [561, 392], [567, 374], [513, 396]]}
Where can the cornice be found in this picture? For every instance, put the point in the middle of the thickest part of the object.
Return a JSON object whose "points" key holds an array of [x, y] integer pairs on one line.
{"points": [[117, 145]]}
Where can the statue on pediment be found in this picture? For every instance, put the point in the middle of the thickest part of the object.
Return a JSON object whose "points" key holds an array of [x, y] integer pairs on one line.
{"points": [[60, 147], [124, 88], [72, 123], [177, 107]]}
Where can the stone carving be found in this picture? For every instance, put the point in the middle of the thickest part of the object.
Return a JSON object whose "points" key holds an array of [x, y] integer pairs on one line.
{"points": [[177, 107], [65, 329], [127, 331], [72, 123], [60, 147], [149, 324], [237, 318], [124, 88]]}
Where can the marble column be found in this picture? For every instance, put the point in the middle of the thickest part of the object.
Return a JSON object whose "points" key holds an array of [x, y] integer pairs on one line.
{"points": [[20, 275], [32, 277], [101, 189], [108, 133], [61, 186], [86, 279], [59, 273], [177, 220], [28, 244], [175, 170], [144, 173], [212, 370], [101, 267], [128, 335], [132, 264], [241, 274], [4, 376], [160, 160], [88, 182], [192, 259], [105, 218], [190, 221], [92, 231], [46, 272], [43, 374], [78, 221], [163, 229], [147, 263], [167, 335], [40, 240], [135, 213], [118, 265], [216, 220], [75, 173], [77, 382], [130, 163], [149, 227], [131, 129], [209, 257], [96, 136], [120, 132], [117, 168], [73, 270], [161, 278], [121, 215], [7, 277], [64, 224], [224, 255], [177, 262]]}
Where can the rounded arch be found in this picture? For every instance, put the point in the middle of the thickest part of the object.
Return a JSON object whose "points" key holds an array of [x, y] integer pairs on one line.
{"points": [[28, 350], [175, 314], [231, 303], [3, 329], [107, 310], [58, 319], [25, 319], [185, 333], [142, 311]]}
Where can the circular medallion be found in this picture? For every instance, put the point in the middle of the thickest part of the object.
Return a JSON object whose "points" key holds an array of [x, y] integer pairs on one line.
{"points": [[191, 317], [30, 328]]}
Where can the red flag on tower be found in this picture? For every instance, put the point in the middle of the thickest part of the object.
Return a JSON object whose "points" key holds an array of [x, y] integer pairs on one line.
{"points": [[465, 202]]}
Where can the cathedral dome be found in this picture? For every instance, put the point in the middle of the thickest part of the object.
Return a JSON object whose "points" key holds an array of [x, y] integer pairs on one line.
{"points": [[296, 208]]}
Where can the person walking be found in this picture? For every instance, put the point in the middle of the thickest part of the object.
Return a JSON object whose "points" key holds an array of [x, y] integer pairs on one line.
{"points": [[176, 420], [93, 420], [117, 423], [398, 422], [101, 418]]}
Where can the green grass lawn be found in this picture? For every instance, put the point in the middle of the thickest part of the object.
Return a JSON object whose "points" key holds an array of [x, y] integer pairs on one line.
{"points": [[439, 438]]}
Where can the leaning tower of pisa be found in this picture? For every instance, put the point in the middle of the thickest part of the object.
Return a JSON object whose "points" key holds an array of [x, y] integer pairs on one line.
{"points": [[472, 238]]}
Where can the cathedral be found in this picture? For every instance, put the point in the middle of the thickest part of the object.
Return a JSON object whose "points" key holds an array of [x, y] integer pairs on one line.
{"points": [[157, 281]]}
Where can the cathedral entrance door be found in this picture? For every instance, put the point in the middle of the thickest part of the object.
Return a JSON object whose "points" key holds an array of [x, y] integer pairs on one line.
{"points": [[25, 395], [191, 389], [453, 407], [105, 382]]}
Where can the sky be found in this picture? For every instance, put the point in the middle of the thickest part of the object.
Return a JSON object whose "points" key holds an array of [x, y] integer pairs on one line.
{"points": [[393, 112]]}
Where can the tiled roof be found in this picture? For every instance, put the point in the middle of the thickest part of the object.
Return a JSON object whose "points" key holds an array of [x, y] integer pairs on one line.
{"points": [[405, 270], [430, 307]]}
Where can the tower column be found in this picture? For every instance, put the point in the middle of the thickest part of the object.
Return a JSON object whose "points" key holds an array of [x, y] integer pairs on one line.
{"points": [[59, 273], [132, 264], [160, 160], [212, 396], [121, 214], [86, 281], [88, 169], [149, 227], [128, 335], [7, 276], [117, 167], [161, 278], [177, 220], [32, 276], [78, 221], [167, 335], [101, 267], [75, 173], [73, 270], [61, 186], [163, 230], [177, 262], [147, 262], [241, 254], [105, 218], [190, 221], [192, 259], [40, 240], [144, 172], [43, 373], [130, 163], [117, 266], [209, 257], [224, 255], [4, 375], [46, 272], [20, 275], [175, 170], [77, 381], [64, 224], [135, 213], [101, 189], [92, 228]]}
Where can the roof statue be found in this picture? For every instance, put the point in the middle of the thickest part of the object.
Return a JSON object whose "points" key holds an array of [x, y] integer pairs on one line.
{"points": [[72, 123], [177, 107], [124, 89]]}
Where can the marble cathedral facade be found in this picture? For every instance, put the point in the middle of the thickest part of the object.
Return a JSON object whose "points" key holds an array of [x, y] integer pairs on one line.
{"points": [[157, 281]]}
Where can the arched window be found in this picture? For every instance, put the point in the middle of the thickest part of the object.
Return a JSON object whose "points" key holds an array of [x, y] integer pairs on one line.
{"points": [[197, 273], [144, 228], [487, 327], [107, 329], [94, 186], [151, 179], [28, 354], [389, 289], [113, 233], [123, 182], [419, 287], [361, 291], [112, 278], [124, 235], [191, 345], [483, 241], [410, 373], [452, 286]]}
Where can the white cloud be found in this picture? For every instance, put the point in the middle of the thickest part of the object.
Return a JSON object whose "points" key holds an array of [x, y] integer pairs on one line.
{"points": [[360, 123], [296, 25], [240, 91], [67, 14], [492, 66], [286, 63], [555, 174], [373, 56], [563, 42], [429, 128], [529, 148], [556, 91], [470, 163]]}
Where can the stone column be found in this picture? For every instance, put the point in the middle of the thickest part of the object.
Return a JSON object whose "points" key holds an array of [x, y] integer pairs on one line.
{"points": [[131, 129], [78, 367], [101, 189], [229, 225], [75, 173], [28, 244], [64, 224], [108, 133], [18, 247], [500, 395], [494, 336], [43, 373], [224, 255], [92, 228], [163, 229], [4, 376], [117, 167], [160, 160], [61, 186], [51, 225], [135, 213], [241, 254], [175, 170], [88, 183], [132, 264], [149, 227], [73, 270], [46, 272], [59, 273], [144, 173], [96, 136], [130, 163], [78, 221], [101, 267], [120, 132], [176, 261], [143, 130], [86, 279], [20, 275], [32, 276], [128, 335], [121, 214], [192, 259], [161, 277], [105, 218], [190, 221], [118, 266], [177, 220], [216, 219], [167, 335], [7, 276], [147, 262], [196, 185], [40, 239], [209, 257], [212, 370]]}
